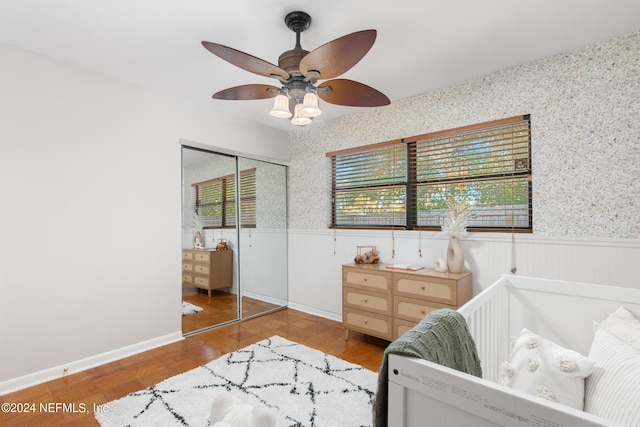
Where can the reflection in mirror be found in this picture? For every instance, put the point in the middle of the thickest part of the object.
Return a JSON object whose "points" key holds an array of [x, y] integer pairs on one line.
{"points": [[209, 240], [263, 237]]}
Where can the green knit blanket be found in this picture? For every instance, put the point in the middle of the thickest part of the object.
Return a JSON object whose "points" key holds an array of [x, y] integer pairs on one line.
{"points": [[441, 337]]}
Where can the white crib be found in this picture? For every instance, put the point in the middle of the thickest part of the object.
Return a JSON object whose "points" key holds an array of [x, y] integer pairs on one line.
{"points": [[422, 393]]}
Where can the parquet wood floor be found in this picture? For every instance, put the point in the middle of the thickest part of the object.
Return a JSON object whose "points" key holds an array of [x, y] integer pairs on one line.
{"points": [[102, 384], [220, 308]]}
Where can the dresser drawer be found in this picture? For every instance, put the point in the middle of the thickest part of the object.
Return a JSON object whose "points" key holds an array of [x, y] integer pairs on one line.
{"points": [[187, 266], [187, 279], [201, 281], [187, 256], [368, 323], [414, 309], [201, 268], [434, 289], [373, 280], [368, 301], [201, 257]]}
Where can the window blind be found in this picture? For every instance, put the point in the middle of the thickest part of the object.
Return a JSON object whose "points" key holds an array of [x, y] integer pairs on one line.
{"points": [[248, 198], [369, 187], [214, 200], [407, 183], [486, 165]]}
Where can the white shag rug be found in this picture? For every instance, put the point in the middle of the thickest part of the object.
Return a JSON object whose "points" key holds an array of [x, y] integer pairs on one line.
{"points": [[188, 308], [304, 386]]}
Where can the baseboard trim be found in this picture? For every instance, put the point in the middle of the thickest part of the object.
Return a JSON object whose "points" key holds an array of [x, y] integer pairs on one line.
{"points": [[49, 374], [315, 311]]}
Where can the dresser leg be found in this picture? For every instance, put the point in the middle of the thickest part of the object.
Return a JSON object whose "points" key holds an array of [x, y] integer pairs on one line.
{"points": [[209, 293], [346, 334]]}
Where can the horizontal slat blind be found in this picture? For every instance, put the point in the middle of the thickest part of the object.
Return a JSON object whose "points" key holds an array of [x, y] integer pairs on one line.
{"points": [[214, 200], [489, 152], [229, 211], [408, 183], [208, 202], [370, 187], [487, 167], [248, 198]]}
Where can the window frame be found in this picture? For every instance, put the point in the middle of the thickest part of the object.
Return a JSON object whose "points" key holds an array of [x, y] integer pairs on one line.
{"points": [[520, 178]]}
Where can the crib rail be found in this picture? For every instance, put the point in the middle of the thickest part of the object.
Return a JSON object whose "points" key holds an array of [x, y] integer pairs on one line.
{"points": [[487, 319], [561, 311]]}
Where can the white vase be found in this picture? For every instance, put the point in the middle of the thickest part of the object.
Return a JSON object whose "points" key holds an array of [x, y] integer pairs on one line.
{"points": [[455, 256]]}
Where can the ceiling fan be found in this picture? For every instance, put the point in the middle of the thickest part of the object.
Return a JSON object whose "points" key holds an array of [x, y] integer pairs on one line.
{"points": [[299, 70]]}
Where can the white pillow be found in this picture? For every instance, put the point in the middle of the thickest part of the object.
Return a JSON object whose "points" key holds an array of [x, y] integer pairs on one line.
{"points": [[545, 369], [612, 391], [623, 325]]}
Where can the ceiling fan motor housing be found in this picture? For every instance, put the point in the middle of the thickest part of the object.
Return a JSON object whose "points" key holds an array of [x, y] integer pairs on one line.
{"points": [[290, 60]]}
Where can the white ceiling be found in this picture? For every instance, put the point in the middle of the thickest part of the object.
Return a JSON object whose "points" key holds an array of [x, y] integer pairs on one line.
{"points": [[421, 45]]}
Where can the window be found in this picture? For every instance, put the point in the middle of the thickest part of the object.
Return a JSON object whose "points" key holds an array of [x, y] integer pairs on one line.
{"points": [[370, 187], [214, 201], [407, 183]]}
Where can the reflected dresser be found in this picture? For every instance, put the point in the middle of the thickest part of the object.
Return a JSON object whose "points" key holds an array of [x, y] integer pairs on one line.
{"points": [[207, 268]]}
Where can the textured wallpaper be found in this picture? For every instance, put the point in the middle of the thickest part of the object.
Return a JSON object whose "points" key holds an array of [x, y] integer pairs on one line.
{"points": [[585, 125]]}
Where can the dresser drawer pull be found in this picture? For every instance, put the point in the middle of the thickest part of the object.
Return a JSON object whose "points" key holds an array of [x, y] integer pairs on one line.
{"points": [[365, 278], [366, 300], [423, 311], [422, 287], [366, 321]]}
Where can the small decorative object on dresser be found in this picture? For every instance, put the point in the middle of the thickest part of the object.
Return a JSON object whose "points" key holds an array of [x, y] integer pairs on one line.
{"points": [[370, 257], [440, 266], [455, 225], [207, 269], [386, 303], [222, 245], [198, 241]]}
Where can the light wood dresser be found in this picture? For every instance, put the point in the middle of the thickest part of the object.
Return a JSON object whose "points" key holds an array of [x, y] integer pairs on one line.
{"points": [[207, 268], [386, 303]]}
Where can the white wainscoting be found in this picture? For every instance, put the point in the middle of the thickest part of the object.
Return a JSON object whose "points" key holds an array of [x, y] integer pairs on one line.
{"points": [[315, 258]]}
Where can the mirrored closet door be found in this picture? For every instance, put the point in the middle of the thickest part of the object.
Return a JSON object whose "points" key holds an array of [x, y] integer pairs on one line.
{"points": [[263, 237], [234, 248]]}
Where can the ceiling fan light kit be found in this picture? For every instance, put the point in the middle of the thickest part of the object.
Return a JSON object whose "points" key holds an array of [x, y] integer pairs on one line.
{"points": [[299, 117], [281, 106], [299, 70], [310, 105]]}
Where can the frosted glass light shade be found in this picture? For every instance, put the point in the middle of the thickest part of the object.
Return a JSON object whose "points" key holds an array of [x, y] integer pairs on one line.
{"points": [[300, 118], [281, 107], [310, 105]]}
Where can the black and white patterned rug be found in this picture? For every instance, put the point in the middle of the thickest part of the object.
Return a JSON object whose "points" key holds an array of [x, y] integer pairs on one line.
{"points": [[305, 387], [188, 308]]}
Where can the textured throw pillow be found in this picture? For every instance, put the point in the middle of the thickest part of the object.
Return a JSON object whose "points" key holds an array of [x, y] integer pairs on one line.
{"points": [[612, 390], [545, 369], [623, 325]]}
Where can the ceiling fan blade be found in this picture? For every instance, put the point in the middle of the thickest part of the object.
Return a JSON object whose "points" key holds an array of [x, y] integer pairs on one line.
{"points": [[352, 94], [245, 61], [247, 92], [338, 56]]}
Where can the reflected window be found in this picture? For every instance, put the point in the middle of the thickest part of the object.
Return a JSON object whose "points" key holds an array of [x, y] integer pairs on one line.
{"points": [[214, 200]]}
